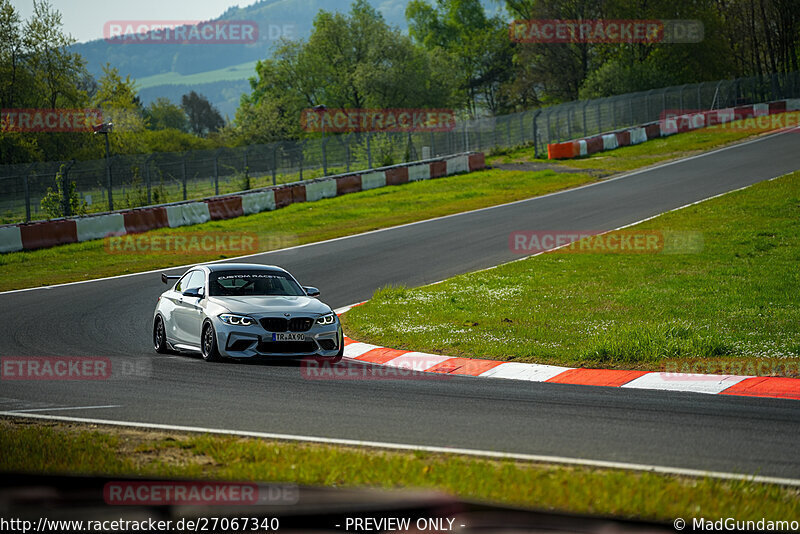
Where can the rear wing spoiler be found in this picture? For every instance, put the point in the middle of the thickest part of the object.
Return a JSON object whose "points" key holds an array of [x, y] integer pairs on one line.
{"points": [[167, 277]]}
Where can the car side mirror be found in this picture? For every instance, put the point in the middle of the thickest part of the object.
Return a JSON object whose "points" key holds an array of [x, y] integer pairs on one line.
{"points": [[195, 293], [311, 291]]}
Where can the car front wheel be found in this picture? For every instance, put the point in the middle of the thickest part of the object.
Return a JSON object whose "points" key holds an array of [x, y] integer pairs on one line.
{"points": [[333, 359], [209, 344]]}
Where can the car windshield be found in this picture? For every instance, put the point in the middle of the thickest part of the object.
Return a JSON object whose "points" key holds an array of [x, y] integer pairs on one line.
{"points": [[253, 283]]}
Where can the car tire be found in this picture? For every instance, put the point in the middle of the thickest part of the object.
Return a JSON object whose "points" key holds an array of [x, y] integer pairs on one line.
{"points": [[208, 344], [338, 357], [160, 336]]}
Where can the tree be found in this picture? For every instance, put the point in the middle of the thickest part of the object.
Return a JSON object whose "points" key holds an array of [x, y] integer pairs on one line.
{"points": [[37, 70], [479, 46], [203, 117], [12, 71], [58, 71], [352, 60], [162, 114]]}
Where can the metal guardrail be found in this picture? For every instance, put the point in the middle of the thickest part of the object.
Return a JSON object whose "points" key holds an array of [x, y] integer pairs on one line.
{"points": [[140, 180]]}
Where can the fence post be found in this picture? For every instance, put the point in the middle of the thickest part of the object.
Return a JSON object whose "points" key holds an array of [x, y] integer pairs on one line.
{"points": [[536, 134], [369, 150], [148, 178], [522, 127], [325, 156], [65, 188], [216, 171], [630, 120], [568, 111], [27, 191], [183, 175], [348, 138], [108, 183], [275, 164], [62, 173], [585, 130], [614, 122], [548, 127], [599, 117], [302, 159], [27, 198]]}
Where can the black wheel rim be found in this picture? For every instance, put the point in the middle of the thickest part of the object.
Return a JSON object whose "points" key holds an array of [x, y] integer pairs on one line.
{"points": [[159, 334], [208, 341]]}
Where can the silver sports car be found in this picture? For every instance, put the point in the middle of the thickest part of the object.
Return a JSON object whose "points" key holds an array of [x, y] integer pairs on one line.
{"points": [[241, 310]]}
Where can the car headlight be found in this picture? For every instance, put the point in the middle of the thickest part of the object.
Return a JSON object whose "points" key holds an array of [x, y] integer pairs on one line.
{"points": [[237, 320], [329, 318]]}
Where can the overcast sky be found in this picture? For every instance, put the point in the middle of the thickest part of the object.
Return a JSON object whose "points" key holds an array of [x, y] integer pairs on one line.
{"points": [[84, 19]]}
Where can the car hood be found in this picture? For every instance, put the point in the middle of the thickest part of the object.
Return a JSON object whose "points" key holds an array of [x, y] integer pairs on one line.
{"points": [[271, 305]]}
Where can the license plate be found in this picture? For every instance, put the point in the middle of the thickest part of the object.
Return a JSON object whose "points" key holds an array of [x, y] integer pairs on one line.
{"points": [[288, 337]]}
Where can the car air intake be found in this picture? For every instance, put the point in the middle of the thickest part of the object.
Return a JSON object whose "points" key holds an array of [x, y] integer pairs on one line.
{"points": [[240, 345], [327, 344]]}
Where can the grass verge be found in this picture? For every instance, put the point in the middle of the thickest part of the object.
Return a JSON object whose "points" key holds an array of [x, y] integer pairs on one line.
{"points": [[677, 146], [359, 212], [83, 449], [731, 297], [293, 225]]}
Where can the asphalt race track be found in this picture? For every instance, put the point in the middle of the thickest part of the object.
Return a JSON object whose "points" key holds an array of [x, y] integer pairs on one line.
{"points": [[708, 432]]}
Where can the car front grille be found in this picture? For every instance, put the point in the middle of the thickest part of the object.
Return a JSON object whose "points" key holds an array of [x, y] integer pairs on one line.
{"points": [[287, 347], [279, 324]]}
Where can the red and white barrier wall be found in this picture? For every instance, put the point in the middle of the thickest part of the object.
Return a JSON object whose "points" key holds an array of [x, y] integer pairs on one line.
{"points": [[44, 234], [665, 127]]}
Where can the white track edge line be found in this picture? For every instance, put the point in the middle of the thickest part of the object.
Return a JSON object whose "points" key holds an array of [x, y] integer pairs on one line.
{"points": [[29, 410], [554, 193], [427, 448]]}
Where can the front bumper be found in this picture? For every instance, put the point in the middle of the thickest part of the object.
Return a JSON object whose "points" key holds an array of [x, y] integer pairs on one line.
{"points": [[255, 341]]}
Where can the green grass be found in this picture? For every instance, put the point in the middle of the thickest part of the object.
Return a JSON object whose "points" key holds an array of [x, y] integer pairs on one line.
{"points": [[351, 214], [243, 71], [732, 298], [651, 152], [60, 448], [295, 224]]}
